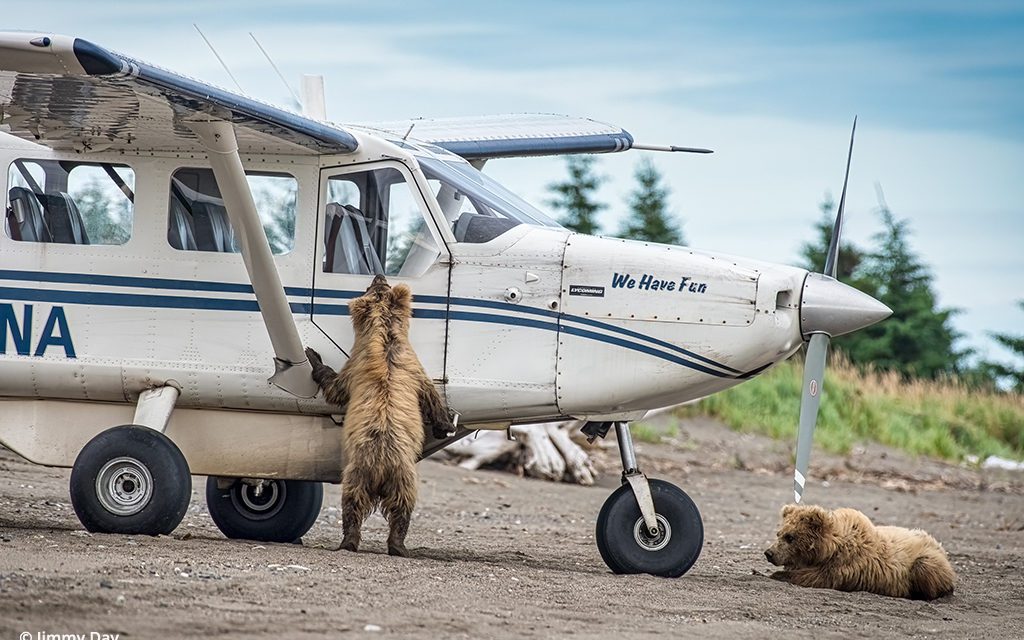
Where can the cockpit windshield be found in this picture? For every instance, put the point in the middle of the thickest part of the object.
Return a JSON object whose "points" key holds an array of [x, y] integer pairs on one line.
{"points": [[477, 207]]}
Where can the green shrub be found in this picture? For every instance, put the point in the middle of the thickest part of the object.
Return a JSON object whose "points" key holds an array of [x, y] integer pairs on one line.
{"points": [[943, 419]]}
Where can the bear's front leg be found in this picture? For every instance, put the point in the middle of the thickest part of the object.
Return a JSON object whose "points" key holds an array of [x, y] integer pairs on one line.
{"points": [[322, 374], [433, 411], [806, 577]]}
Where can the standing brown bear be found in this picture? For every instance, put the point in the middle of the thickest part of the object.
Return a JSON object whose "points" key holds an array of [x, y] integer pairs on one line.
{"points": [[388, 400], [844, 550]]}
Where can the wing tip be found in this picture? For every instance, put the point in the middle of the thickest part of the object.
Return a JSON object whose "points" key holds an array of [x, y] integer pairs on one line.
{"points": [[96, 60]]}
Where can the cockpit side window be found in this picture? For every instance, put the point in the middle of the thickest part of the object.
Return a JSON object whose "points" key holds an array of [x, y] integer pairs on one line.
{"points": [[374, 224]]}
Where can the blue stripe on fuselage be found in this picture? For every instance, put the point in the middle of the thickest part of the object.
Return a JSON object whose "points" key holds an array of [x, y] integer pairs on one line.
{"points": [[108, 298]]}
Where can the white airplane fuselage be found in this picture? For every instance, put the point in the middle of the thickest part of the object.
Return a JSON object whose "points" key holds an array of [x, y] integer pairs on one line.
{"points": [[538, 323]]}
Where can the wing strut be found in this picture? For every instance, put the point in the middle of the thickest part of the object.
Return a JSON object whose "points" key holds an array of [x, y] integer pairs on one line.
{"points": [[293, 373]]}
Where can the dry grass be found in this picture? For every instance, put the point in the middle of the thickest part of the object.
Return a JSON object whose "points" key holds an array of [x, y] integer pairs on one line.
{"points": [[941, 418]]}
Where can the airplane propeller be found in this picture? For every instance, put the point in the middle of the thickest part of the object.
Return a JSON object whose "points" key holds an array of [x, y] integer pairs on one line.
{"points": [[817, 347]]}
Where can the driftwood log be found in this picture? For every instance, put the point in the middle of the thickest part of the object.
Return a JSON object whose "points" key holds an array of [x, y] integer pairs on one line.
{"points": [[540, 450]]}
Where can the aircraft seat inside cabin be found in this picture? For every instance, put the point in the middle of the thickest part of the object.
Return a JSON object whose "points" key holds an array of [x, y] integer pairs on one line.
{"points": [[478, 228], [25, 219], [65, 220], [348, 242], [180, 232], [213, 231]]}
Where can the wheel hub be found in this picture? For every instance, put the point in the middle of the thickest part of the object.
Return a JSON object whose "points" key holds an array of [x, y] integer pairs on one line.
{"points": [[124, 486], [650, 542], [258, 502]]}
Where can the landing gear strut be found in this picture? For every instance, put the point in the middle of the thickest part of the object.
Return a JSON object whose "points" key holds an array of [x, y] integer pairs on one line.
{"points": [[647, 526]]}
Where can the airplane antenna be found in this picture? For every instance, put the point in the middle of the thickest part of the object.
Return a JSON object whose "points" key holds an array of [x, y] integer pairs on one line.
{"points": [[276, 70], [406, 136], [219, 59]]}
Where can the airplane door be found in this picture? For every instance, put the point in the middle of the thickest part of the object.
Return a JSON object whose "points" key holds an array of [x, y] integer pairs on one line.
{"points": [[373, 219]]}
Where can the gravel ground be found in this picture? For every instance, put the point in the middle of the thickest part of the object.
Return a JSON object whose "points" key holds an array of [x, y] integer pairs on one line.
{"points": [[497, 556]]}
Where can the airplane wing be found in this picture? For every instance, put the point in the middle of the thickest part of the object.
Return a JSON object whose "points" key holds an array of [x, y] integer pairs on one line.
{"points": [[507, 136], [67, 93]]}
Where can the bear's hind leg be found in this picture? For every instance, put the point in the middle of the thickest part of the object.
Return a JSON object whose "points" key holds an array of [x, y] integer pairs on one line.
{"points": [[931, 577], [356, 504], [397, 505]]}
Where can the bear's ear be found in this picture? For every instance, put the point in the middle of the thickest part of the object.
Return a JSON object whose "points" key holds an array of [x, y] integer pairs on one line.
{"points": [[789, 509], [401, 298], [816, 519]]}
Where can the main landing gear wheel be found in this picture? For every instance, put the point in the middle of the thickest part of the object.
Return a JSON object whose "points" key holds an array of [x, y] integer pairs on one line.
{"points": [[267, 511], [628, 547], [130, 479]]}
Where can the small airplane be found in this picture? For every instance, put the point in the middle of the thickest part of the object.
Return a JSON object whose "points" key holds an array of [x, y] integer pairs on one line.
{"points": [[168, 245]]}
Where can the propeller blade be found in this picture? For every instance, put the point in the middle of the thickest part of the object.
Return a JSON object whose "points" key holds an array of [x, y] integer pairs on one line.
{"points": [[832, 258], [814, 377]]}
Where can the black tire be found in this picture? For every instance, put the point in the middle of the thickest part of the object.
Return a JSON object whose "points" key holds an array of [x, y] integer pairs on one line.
{"points": [[623, 542], [283, 512], [132, 480]]}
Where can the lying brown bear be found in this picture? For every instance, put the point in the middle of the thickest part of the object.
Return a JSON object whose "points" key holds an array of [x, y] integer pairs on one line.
{"points": [[388, 400], [843, 550]]}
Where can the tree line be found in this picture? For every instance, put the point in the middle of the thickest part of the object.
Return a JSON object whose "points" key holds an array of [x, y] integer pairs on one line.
{"points": [[918, 340]]}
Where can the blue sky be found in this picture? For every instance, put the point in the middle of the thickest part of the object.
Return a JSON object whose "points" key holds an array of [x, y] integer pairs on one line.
{"points": [[772, 87]]}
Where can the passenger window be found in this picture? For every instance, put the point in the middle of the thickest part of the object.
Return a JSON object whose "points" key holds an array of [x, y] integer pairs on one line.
{"points": [[198, 220], [69, 202], [374, 224]]}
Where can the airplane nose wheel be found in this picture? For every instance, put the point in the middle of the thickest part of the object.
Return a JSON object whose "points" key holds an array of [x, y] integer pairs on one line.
{"points": [[264, 510], [130, 479], [624, 539], [628, 547]]}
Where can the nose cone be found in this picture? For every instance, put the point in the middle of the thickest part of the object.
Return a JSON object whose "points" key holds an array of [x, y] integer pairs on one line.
{"points": [[833, 308]]}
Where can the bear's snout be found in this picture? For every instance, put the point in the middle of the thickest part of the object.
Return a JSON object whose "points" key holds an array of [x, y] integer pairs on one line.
{"points": [[769, 553]]}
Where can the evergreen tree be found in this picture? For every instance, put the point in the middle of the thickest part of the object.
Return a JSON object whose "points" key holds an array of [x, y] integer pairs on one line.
{"points": [[649, 217], [1013, 375], [918, 339], [575, 196], [107, 220], [276, 207]]}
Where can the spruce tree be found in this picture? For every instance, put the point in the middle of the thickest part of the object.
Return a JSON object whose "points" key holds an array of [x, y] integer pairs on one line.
{"points": [[1013, 375], [918, 339], [649, 218], [575, 196], [107, 220]]}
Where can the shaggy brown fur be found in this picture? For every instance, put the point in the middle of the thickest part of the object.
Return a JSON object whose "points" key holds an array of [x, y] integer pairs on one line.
{"points": [[843, 550], [388, 400]]}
